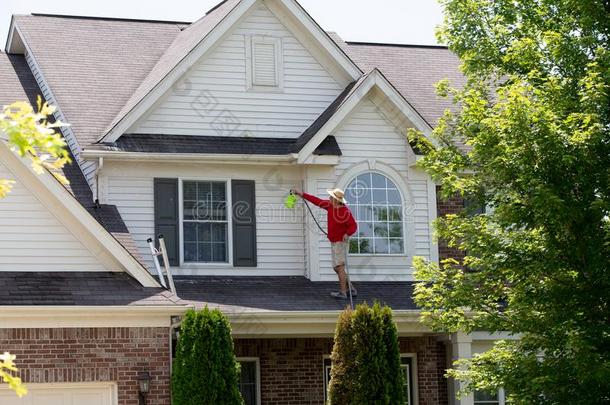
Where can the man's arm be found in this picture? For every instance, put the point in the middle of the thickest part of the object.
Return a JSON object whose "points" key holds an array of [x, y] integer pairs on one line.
{"points": [[352, 226], [325, 204]]}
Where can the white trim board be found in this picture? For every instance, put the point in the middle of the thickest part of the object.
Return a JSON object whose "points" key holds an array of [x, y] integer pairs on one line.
{"points": [[59, 316], [75, 217]]}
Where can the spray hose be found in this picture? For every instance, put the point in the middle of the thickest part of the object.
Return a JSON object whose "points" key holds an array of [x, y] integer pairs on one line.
{"points": [[291, 201]]}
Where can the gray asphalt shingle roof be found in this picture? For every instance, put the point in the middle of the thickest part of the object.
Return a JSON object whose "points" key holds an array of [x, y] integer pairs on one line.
{"points": [[286, 293], [79, 288], [18, 84], [413, 70], [93, 66]]}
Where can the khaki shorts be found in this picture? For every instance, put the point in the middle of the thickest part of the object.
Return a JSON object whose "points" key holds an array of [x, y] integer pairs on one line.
{"points": [[339, 249]]}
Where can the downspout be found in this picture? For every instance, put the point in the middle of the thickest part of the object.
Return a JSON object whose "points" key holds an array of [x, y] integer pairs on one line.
{"points": [[100, 165], [176, 321]]}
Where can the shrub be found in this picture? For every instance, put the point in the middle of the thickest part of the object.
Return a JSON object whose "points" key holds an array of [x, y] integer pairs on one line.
{"points": [[366, 359], [205, 370]]}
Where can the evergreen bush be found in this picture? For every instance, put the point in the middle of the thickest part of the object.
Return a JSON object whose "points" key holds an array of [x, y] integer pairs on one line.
{"points": [[205, 370], [366, 359]]}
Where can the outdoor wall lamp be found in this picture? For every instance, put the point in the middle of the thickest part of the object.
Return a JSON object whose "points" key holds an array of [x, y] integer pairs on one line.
{"points": [[143, 385]]}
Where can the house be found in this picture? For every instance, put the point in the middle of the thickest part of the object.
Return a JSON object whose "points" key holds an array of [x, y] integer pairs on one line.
{"points": [[197, 131]]}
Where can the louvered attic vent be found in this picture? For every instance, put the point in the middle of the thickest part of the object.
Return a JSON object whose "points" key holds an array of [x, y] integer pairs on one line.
{"points": [[264, 61]]}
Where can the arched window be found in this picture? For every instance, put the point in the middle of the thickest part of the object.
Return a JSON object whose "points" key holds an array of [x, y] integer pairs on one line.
{"points": [[377, 206]]}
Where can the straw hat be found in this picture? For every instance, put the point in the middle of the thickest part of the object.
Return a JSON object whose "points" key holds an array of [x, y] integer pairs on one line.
{"points": [[337, 194]]}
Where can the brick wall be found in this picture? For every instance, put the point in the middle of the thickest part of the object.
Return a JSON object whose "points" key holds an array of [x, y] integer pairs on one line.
{"points": [[443, 207], [292, 369], [94, 355]]}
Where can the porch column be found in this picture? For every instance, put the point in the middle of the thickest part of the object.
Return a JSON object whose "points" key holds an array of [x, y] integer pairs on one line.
{"points": [[461, 348]]}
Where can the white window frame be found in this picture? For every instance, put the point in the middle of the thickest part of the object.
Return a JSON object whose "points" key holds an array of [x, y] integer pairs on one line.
{"points": [[403, 217], [250, 40], [501, 398], [258, 375], [412, 356], [229, 262]]}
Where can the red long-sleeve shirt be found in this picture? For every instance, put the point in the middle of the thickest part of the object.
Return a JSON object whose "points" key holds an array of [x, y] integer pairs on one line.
{"points": [[339, 219]]}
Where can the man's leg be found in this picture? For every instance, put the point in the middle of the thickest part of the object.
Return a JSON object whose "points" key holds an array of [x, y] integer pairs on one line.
{"points": [[340, 270]]}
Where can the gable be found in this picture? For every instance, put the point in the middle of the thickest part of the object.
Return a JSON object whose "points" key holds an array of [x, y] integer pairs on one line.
{"points": [[215, 97], [377, 88], [32, 238]]}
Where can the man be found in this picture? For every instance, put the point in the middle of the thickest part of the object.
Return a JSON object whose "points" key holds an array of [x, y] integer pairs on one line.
{"points": [[341, 225]]}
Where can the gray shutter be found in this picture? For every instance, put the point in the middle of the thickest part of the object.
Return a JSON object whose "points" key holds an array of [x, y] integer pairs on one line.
{"points": [[166, 216], [244, 223]]}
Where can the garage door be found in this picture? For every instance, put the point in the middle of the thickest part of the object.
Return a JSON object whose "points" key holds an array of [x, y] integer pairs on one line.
{"points": [[62, 394]]}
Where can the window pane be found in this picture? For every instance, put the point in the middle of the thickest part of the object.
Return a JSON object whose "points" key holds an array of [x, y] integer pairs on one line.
{"points": [[381, 229], [396, 246], [394, 197], [204, 232], [395, 229], [365, 245], [381, 245], [190, 252], [190, 232], [189, 209], [378, 181], [365, 230], [485, 398], [247, 382], [189, 190], [204, 252], [364, 180], [219, 232], [204, 191], [364, 213], [394, 213], [219, 192], [381, 213], [353, 245], [379, 196], [363, 196], [219, 252]]}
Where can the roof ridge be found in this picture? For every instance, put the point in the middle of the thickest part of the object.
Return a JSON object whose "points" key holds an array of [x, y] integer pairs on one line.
{"points": [[357, 43], [87, 17]]}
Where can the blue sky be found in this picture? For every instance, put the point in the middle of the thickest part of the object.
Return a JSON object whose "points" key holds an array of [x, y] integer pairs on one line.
{"points": [[393, 21]]}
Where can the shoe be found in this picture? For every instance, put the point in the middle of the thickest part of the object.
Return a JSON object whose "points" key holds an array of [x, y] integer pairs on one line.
{"points": [[354, 291], [338, 294]]}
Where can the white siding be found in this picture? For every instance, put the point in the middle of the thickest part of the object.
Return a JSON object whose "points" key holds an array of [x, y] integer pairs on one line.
{"points": [[33, 239], [280, 232], [88, 167], [214, 100], [366, 136]]}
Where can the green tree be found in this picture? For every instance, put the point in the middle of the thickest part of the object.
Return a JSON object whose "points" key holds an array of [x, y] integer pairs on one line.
{"points": [[534, 125], [205, 370], [366, 359], [29, 134]]}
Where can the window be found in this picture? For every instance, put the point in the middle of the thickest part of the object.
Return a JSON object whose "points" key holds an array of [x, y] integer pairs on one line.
{"points": [[377, 206], [249, 381], [264, 62], [406, 363], [486, 398], [327, 367], [205, 221]]}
